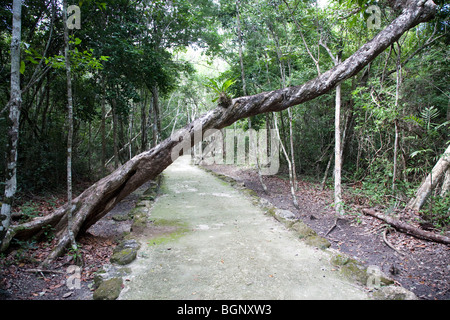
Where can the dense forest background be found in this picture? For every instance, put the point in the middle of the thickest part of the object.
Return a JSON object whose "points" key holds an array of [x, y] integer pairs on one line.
{"points": [[140, 70]]}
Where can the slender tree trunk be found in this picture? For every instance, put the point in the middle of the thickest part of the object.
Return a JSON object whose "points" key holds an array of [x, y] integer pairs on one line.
{"points": [[337, 154], [397, 97], [316, 61], [144, 135], [325, 175], [70, 127], [96, 201], [157, 116], [130, 131], [14, 104], [291, 145], [115, 138], [395, 165], [103, 128], [291, 180], [291, 161], [89, 149], [176, 117], [338, 205], [241, 60]]}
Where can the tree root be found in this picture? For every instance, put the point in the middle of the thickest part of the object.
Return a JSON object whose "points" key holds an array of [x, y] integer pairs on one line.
{"points": [[332, 227], [390, 244]]}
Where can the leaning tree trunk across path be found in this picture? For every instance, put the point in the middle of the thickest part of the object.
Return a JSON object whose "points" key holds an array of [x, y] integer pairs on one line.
{"points": [[100, 198]]}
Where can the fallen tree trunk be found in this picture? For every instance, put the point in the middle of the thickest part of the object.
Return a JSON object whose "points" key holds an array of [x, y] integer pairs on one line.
{"points": [[100, 198], [407, 228]]}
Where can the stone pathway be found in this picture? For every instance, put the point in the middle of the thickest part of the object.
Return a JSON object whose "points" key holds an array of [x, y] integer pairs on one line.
{"points": [[206, 240]]}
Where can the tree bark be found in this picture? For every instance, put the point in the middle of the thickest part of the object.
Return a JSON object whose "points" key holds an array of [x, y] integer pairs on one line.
{"points": [[338, 205], [428, 185], [397, 97], [291, 180], [70, 127], [445, 184], [115, 123], [100, 198], [241, 60], [291, 161], [157, 116], [14, 105], [103, 128], [144, 136]]}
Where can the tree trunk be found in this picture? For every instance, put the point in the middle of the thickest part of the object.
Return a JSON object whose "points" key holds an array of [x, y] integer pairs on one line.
{"points": [[157, 116], [397, 97], [424, 191], [445, 184], [100, 198], [70, 127], [325, 175], [144, 136], [291, 180], [14, 103], [291, 145], [338, 206], [241, 60], [103, 128], [130, 131], [290, 160], [114, 129]]}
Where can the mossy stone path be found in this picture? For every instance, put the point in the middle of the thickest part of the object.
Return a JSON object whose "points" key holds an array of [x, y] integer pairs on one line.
{"points": [[209, 241]]}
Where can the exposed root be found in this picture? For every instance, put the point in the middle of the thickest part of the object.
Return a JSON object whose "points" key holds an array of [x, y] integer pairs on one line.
{"points": [[390, 244]]}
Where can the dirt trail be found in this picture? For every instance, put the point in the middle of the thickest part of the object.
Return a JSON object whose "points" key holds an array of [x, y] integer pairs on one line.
{"points": [[213, 243]]}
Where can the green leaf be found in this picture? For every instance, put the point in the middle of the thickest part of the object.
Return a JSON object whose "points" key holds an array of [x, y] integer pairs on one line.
{"points": [[227, 84], [101, 5], [415, 153], [32, 60], [22, 67]]}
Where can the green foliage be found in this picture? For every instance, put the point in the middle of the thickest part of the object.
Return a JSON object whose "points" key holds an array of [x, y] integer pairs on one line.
{"points": [[79, 59], [75, 253], [220, 88], [29, 210], [437, 212]]}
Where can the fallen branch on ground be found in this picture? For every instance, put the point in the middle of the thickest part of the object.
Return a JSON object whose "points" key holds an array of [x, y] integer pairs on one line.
{"points": [[407, 228]]}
